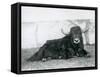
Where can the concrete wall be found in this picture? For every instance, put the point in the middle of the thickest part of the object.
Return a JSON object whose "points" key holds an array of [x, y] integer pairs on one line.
{"points": [[41, 24]]}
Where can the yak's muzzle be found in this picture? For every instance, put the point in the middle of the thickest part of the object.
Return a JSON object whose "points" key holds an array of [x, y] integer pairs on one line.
{"points": [[76, 40]]}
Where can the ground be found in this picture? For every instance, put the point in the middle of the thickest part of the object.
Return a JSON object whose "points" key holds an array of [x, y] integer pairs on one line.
{"points": [[59, 63]]}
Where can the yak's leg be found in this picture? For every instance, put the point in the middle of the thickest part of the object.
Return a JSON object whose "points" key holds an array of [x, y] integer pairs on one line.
{"points": [[70, 53], [82, 53], [62, 55], [47, 55]]}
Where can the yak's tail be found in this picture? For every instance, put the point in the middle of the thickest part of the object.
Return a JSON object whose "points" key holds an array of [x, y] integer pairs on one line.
{"points": [[37, 56], [33, 57]]}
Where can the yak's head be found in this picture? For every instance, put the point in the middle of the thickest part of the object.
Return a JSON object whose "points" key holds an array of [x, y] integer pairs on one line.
{"points": [[76, 34]]}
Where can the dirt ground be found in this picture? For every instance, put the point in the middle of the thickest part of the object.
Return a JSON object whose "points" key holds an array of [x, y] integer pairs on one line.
{"points": [[59, 63]]}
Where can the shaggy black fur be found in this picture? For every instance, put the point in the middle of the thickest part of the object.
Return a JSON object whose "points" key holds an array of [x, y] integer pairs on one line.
{"points": [[67, 47]]}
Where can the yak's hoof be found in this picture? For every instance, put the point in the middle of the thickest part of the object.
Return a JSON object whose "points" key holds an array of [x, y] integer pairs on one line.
{"points": [[88, 55], [77, 55], [49, 58], [44, 59], [60, 57]]}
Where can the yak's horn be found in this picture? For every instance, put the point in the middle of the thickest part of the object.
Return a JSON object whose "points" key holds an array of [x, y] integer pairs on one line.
{"points": [[87, 27], [86, 30], [83, 31], [73, 23], [62, 31]]}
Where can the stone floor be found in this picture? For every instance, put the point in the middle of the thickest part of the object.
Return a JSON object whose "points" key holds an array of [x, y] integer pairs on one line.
{"points": [[59, 63]]}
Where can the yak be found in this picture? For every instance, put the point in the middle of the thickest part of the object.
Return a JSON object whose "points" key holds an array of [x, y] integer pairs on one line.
{"points": [[71, 45]]}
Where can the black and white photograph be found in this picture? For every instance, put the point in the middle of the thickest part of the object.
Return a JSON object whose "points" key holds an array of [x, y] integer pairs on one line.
{"points": [[57, 38]]}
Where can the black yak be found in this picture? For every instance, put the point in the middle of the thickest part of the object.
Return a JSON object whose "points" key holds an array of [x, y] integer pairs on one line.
{"points": [[67, 47]]}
